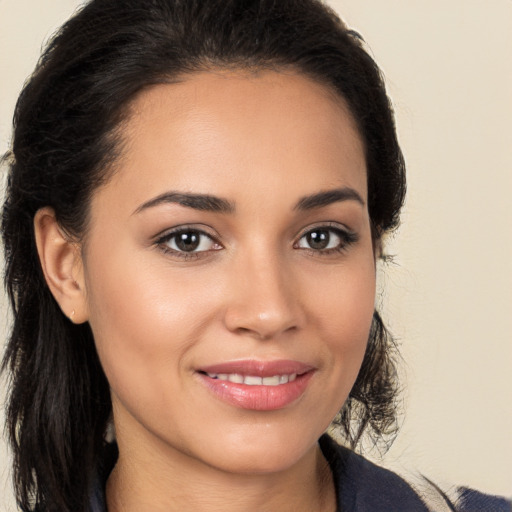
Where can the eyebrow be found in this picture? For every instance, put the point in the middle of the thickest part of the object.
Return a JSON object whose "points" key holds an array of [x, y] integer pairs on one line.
{"points": [[209, 203], [328, 197], [202, 202]]}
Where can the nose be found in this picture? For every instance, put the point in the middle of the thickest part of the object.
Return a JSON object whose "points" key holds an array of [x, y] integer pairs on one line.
{"points": [[264, 301]]}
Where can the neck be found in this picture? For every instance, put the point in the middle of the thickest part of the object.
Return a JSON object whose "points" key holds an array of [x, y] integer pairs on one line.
{"points": [[153, 479]]}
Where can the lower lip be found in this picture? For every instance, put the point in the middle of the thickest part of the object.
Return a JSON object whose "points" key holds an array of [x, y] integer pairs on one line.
{"points": [[258, 398]]}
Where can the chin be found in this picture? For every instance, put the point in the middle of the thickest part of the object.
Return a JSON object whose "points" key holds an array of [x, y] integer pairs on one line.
{"points": [[261, 450]]}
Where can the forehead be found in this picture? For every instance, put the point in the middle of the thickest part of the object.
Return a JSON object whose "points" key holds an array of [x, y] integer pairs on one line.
{"points": [[213, 131]]}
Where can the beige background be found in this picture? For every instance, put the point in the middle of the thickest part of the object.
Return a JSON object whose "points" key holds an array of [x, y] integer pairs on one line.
{"points": [[448, 297]]}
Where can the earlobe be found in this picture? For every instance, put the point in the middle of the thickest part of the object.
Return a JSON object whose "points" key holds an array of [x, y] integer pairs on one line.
{"points": [[62, 265]]}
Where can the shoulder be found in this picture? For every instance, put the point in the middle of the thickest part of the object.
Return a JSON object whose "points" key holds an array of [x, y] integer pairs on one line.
{"points": [[469, 500], [461, 499], [363, 486]]}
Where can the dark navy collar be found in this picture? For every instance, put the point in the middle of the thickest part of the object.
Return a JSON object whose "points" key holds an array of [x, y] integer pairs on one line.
{"points": [[362, 486]]}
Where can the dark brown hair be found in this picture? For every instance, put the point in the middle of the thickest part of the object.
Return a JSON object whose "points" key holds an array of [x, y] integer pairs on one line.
{"points": [[64, 140]]}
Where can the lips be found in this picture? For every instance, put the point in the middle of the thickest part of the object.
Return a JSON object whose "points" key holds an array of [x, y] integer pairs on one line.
{"points": [[257, 385]]}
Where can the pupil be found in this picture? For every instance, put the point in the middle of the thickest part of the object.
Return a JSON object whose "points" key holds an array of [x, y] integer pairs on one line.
{"points": [[188, 241], [318, 239]]}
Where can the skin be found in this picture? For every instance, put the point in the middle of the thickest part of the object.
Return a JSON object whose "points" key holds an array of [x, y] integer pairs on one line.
{"points": [[262, 141]]}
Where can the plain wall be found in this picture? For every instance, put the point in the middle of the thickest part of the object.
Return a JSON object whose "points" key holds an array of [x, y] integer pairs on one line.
{"points": [[448, 294]]}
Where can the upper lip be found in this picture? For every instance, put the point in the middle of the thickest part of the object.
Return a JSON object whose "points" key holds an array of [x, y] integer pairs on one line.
{"points": [[259, 368]]}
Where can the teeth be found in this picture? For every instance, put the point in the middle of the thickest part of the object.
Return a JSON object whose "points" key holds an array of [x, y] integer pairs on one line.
{"points": [[236, 378], [252, 380], [271, 381]]}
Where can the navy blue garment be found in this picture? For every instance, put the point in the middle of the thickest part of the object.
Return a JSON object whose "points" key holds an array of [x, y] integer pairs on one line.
{"points": [[473, 501], [361, 486]]}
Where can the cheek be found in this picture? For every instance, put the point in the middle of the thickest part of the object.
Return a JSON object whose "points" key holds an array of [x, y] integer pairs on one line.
{"points": [[143, 319], [344, 312], [344, 301]]}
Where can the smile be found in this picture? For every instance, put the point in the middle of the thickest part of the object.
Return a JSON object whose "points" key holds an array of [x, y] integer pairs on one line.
{"points": [[257, 385], [254, 380]]}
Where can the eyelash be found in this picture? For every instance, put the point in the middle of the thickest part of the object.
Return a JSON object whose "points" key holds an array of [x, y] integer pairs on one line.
{"points": [[346, 239], [163, 242]]}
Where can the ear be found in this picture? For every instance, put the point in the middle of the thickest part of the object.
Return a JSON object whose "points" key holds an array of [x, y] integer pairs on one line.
{"points": [[62, 265]]}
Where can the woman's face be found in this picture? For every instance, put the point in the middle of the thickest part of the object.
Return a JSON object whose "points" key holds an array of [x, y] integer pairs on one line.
{"points": [[229, 269]]}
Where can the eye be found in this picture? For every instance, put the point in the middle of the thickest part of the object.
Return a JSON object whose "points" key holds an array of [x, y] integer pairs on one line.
{"points": [[188, 241], [326, 239]]}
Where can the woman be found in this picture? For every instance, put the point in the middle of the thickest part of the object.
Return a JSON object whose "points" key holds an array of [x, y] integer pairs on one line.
{"points": [[197, 198]]}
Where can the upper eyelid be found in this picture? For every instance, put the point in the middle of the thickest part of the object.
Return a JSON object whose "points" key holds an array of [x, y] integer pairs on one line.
{"points": [[206, 230], [335, 226], [347, 235], [169, 232], [162, 242]]}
